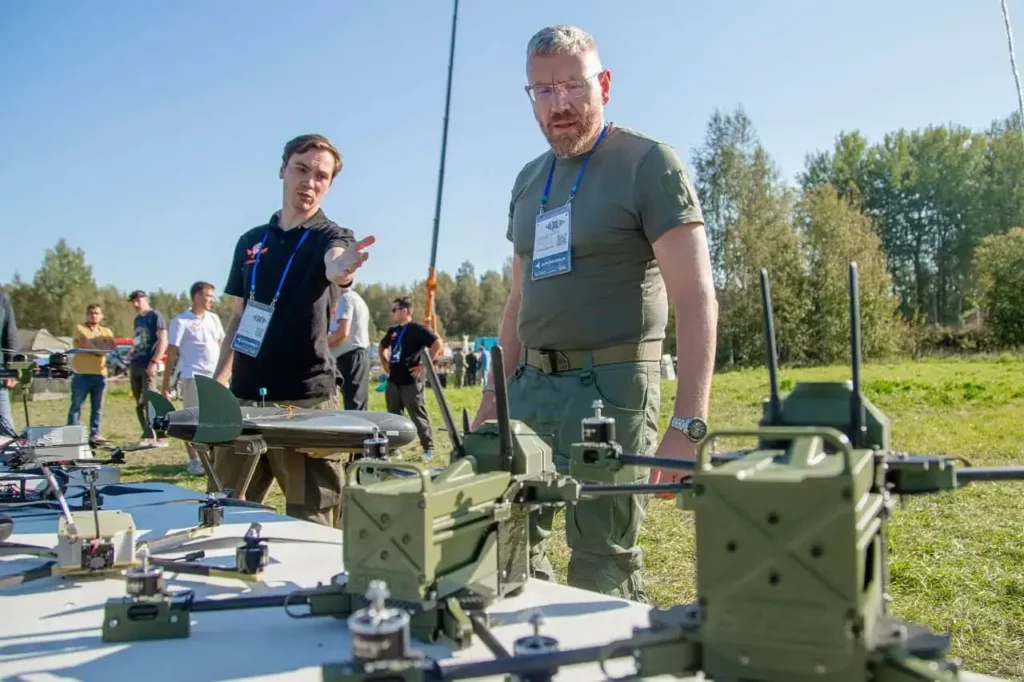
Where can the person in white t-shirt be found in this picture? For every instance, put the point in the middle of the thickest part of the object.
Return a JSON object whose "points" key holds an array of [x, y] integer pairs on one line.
{"points": [[349, 341], [194, 344]]}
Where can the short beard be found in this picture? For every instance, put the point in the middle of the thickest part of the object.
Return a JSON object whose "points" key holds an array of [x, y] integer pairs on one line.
{"points": [[566, 145]]}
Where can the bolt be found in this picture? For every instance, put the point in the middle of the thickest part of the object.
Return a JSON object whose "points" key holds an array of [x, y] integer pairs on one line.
{"points": [[406, 539], [113, 622], [820, 669], [744, 660], [174, 619], [377, 593], [384, 518]]}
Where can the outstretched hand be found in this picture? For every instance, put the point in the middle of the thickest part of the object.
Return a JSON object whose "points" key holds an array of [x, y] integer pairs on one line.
{"points": [[343, 267]]}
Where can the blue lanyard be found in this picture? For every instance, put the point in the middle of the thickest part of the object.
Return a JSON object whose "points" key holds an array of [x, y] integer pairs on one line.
{"points": [[398, 341], [579, 177], [288, 265]]}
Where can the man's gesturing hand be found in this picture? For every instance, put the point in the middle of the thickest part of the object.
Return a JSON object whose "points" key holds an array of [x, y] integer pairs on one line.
{"points": [[342, 263]]}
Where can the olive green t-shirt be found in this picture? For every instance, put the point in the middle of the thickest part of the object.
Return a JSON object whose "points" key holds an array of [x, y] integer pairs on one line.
{"points": [[633, 191]]}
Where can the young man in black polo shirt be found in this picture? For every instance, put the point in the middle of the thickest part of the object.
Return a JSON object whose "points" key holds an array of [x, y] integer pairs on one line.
{"points": [[280, 288], [406, 380]]}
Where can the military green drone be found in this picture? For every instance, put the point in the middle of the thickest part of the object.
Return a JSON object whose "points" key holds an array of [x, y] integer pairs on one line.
{"points": [[791, 540]]}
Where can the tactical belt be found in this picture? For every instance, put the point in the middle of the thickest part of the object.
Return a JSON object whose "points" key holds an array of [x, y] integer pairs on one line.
{"points": [[552, 361]]}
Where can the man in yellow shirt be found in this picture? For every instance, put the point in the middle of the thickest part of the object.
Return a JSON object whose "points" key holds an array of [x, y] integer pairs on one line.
{"points": [[90, 377]]}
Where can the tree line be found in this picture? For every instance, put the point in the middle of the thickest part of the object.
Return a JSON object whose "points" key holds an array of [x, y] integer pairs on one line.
{"points": [[56, 298], [932, 216]]}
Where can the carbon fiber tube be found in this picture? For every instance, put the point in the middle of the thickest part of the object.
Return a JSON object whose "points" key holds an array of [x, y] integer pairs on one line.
{"points": [[525, 664], [634, 488], [234, 603], [990, 474], [662, 462]]}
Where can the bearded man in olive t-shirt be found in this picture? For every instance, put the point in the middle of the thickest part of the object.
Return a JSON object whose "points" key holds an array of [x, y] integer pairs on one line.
{"points": [[606, 228]]}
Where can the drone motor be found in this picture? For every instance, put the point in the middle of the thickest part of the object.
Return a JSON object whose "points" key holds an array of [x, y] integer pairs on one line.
{"points": [[379, 632], [252, 557], [211, 513], [598, 429], [145, 581]]}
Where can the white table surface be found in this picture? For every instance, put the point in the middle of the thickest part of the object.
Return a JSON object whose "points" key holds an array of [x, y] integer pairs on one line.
{"points": [[51, 629]]}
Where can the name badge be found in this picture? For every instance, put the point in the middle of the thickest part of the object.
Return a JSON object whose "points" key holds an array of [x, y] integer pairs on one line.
{"points": [[552, 243], [252, 328]]}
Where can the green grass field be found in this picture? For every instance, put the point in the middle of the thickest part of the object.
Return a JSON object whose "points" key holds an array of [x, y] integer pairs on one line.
{"points": [[957, 560]]}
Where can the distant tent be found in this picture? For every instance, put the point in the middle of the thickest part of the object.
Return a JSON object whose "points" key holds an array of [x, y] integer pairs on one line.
{"points": [[41, 342]]}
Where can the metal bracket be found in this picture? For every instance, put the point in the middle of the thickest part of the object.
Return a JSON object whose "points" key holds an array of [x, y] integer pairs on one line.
{"points": [[252, 447]]}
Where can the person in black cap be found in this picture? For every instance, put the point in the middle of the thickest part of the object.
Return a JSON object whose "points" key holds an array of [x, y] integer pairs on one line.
{"points": [[283, 285], [149, 343]]}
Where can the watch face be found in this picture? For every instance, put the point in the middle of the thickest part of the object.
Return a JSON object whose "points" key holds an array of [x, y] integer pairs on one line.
{"points": [[697, 429]]}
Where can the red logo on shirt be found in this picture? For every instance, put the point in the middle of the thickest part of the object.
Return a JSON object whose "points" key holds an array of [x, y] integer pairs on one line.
{"points": [[250, 253]]}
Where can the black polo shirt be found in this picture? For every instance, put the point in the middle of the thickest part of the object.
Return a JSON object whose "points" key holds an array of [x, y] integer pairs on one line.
{"points": [[294, 362]]}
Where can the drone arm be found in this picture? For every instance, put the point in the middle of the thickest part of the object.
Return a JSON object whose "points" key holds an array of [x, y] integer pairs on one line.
{"points": [[44, 571]]}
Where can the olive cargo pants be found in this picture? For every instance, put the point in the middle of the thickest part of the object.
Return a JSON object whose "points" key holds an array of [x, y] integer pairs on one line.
{"points": [[311, 485], [601, 533]]}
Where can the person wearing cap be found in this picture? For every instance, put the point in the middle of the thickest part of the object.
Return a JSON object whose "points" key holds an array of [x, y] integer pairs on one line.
{"points": [[283, 283], [606, 228], [149, 342]]}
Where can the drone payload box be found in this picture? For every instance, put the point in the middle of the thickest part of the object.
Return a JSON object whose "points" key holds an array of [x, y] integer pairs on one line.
{"points": [[45, 444], [88, 548]]}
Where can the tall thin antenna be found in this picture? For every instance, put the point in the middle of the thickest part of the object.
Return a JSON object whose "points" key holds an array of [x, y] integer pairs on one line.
{"points": [[775, 407], [501, 398], [858, 430], [1013, 65], [430, 316]]}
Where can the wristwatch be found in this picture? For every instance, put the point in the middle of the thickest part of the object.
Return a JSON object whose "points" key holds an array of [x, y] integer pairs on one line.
{"points": [[695, 428]]}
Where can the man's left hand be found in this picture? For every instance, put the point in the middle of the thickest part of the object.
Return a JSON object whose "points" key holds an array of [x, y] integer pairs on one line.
{"points": [[417, 371], [674, 445], [352, 257], [9, 383], [151, 370]]}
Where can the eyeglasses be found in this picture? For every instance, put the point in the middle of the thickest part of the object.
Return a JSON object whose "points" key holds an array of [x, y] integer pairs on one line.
{"points": [[573, 89]]}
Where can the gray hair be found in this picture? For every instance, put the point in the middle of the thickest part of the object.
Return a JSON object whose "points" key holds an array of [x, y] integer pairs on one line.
{"points": [[561, 39]]}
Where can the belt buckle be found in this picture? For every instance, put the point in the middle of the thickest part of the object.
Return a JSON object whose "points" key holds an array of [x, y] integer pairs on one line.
{"points": [[553, 361]]}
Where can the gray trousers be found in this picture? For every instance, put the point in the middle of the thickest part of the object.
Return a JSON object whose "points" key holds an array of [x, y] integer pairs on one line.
{"points": [[410, 397]]}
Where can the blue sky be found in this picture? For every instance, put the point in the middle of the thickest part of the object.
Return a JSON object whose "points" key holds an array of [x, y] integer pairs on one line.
{"points": [[149, 133]]}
